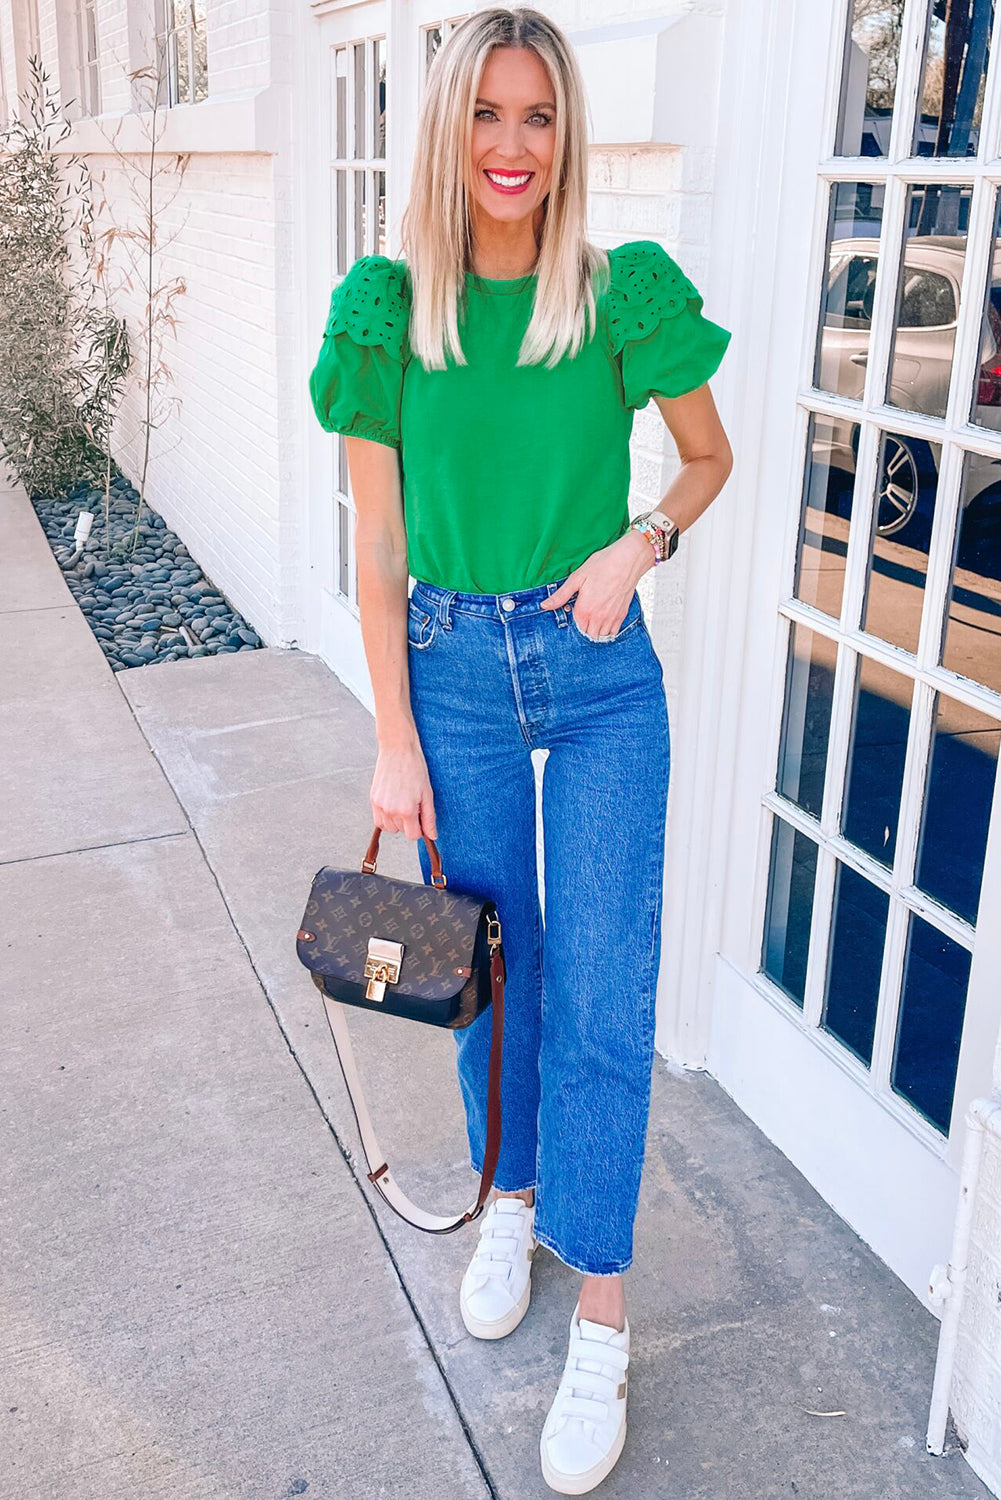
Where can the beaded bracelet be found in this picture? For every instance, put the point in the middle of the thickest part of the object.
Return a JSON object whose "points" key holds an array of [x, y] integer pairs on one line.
{"points": [[655, 536]]}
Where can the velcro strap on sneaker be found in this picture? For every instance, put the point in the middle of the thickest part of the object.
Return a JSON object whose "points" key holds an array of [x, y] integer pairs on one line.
{"points": [[606, 1354], [603, 1386], [583, 1406]]}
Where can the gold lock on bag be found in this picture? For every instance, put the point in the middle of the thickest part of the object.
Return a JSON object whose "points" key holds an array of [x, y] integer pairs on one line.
{"points": [[382, 966]]}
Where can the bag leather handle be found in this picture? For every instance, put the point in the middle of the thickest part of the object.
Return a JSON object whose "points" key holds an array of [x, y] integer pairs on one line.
{"points": [[368, 864]]}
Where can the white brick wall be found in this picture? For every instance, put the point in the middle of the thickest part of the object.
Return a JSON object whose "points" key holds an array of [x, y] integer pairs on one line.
{"points": [[661, 193], [215, 471]]}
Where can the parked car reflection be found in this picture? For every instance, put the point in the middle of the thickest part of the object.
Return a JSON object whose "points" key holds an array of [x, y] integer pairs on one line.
{"points": [[908, 467]]}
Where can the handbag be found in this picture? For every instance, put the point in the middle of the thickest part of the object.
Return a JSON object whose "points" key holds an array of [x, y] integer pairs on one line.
{"points": [[405, 948]]}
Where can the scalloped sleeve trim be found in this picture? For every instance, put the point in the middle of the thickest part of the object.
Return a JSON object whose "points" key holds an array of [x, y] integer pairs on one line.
{"points": [[372, 305], [357, 381], [663, 343], [645, 287]]}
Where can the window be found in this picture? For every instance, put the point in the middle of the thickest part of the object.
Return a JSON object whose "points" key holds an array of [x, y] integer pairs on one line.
{"points": [[26, 45], [88, 66], [181, 51]]}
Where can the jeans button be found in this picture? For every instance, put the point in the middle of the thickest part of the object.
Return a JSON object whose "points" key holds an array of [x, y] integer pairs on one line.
{"points": [[507, 604]]}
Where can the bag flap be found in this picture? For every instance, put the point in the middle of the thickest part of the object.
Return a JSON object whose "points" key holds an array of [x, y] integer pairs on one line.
{"points": [[436, 927]]}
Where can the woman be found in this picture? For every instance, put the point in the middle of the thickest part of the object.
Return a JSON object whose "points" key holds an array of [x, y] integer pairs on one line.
{"points": [[487, 383]]}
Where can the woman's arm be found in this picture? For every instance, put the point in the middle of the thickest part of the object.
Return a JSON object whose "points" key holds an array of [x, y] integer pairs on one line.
{"points": [[605, 581], [704, 450], [401, 797]]}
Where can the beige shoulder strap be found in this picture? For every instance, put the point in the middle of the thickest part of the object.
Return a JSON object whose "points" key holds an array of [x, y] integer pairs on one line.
{"points": [[378, 1170]]}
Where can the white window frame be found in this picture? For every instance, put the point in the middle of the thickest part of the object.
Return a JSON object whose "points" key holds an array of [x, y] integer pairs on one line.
{"points": [[879, 1164], [957, 435], [171, 42]]}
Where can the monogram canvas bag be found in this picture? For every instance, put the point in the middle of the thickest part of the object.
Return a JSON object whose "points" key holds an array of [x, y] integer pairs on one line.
{"points": [[404, 948]]}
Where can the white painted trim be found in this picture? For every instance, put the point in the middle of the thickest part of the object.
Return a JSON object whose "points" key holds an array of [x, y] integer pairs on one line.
{"points": [[754, 300], [252, 121], [652, 81]]}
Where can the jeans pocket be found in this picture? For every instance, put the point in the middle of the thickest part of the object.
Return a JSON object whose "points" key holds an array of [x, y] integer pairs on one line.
{"points": [[422, 626], [632, 618]]}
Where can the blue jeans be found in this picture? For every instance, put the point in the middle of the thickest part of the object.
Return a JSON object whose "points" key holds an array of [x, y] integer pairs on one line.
{"points": [[492, 677]]}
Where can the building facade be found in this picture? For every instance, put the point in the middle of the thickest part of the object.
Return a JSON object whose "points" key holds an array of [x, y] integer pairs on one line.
{"points": [[828, 173]]}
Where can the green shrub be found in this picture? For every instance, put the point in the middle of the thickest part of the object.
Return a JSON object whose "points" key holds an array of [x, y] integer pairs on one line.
{"points": [[63, 356]]}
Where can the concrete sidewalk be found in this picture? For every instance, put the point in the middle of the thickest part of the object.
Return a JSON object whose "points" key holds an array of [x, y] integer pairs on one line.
{"points": [[201, 1298]]}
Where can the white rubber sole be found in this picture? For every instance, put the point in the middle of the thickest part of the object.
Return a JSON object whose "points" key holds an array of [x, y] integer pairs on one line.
{"points": [[500, 1327], [579, 1484]]}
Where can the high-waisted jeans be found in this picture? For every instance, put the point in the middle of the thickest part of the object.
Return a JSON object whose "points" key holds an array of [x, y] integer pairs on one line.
{"points": [[493, 677]]}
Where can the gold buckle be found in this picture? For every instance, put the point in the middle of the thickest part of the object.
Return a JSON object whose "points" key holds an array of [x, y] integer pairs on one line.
{"points": [[382, 966], [493, 937]]}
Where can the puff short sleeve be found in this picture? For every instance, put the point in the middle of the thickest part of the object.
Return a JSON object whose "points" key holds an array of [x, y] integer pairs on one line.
{"points": [[664, 344], [357, 381]]}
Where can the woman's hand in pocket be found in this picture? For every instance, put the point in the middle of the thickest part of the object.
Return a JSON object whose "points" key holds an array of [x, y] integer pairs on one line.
{"points": [[401, 796], [605, 583]]}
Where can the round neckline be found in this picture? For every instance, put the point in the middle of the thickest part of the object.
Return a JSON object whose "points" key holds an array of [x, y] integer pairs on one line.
{"points": [[500, 285]]}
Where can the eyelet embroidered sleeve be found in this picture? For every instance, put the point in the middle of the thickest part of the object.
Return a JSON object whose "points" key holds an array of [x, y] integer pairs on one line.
{"points": [[357, 381], [664, 343]]}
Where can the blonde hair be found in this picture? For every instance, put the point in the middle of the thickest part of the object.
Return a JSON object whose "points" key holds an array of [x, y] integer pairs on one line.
{"points": [[436, 225]]}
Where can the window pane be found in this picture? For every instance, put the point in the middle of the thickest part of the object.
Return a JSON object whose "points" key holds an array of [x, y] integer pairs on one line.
{"points": [[880, 719], [928, 297], [869, 78], [972, 645], [791, 878], [854, 222], [173, 67], [341, 465], [986, 410], [341, 105], [200, 61], [955, 69], [806, 720], [181, 36], [898, 560], [340, 236], [379, 96], [930, 1023], [361, 238], [343, 547], [831, 446], [855, 961], [957, 806], [380, 228], [360, 145]]}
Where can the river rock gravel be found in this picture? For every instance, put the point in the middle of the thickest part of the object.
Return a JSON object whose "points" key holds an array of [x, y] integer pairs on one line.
{"points": [[146, 606]]}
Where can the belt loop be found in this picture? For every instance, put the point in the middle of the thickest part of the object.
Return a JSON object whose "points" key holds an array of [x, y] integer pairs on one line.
{"points": [[445, 608], [560, 612]]}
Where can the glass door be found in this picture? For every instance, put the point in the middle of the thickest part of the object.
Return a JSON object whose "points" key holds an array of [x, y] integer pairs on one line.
{"points": [[877, 865]]}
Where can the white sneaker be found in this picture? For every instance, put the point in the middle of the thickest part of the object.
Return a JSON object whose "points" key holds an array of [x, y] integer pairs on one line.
{"points": [[586, 1426], [493, 1297]]}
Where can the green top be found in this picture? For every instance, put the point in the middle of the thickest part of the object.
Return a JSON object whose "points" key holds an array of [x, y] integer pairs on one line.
{"points": [[512, 475]]}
